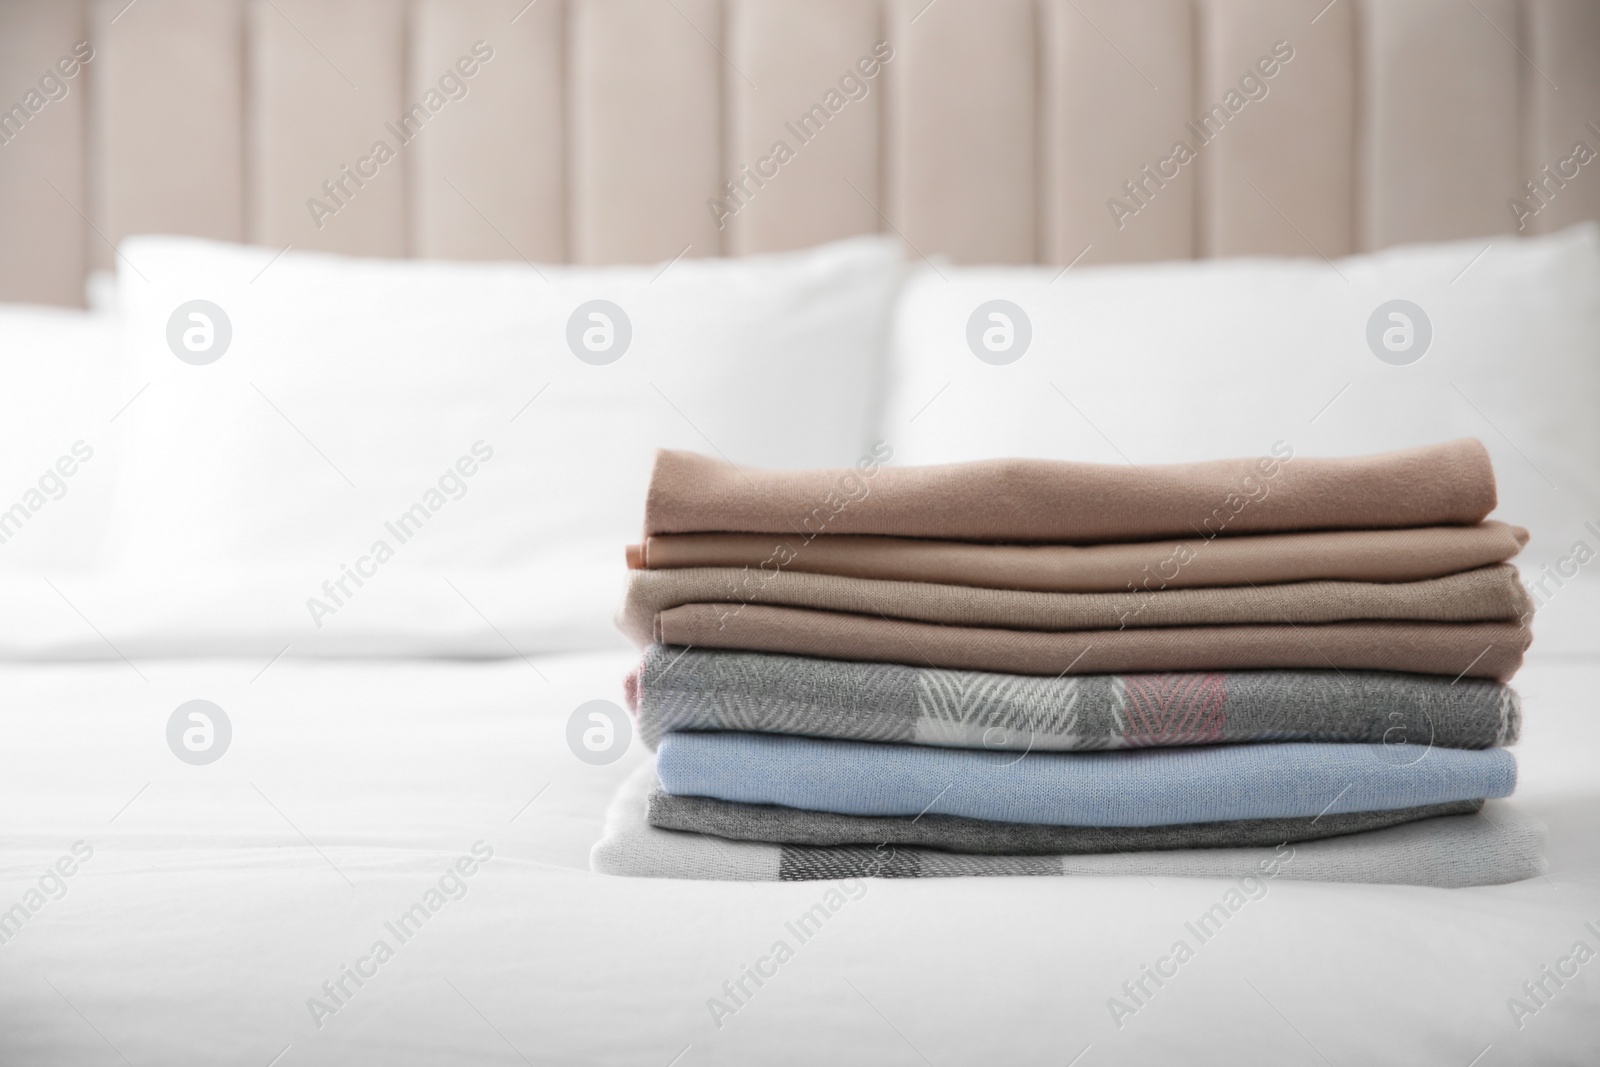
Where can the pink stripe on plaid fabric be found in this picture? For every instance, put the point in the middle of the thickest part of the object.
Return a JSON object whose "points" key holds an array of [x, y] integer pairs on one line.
{"points": [[1174, 709]]}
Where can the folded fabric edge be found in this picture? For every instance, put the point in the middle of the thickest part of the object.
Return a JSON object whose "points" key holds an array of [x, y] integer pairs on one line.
{"points": [[677, 689], [1120, 788], [1494, 847], [1448, 483], [1492, 650], [1372, 555], [1491, 593], [777, 825]]}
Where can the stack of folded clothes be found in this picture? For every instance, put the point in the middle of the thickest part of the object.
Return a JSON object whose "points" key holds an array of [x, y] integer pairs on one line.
{"points": [[1039, 667]]}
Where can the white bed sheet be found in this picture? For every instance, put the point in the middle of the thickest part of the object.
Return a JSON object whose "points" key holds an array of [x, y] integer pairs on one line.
{"points": [[220, 898]]}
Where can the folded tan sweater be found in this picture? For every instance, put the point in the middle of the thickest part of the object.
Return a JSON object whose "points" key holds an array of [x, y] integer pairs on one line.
{"points": [[1482, 595], [1049, 501], [1475, 650], [1340, 555]]}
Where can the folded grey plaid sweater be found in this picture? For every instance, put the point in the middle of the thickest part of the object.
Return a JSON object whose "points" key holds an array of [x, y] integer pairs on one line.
{"points": [[953, 833], [1495, 846], [679, 689]]}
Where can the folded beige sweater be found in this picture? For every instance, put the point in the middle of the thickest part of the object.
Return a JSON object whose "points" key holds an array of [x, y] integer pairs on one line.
{"points": [[1474, 650], [1405, 555], [1049, 501], [1483, 595]]}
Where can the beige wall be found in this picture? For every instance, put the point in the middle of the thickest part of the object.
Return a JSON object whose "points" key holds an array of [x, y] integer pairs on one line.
{"points": [[605, 130]]}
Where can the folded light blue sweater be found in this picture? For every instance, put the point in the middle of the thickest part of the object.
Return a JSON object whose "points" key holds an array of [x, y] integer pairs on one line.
{"points": [[1148, 787]]}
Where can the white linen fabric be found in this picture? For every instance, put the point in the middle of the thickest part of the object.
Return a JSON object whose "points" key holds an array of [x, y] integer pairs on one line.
{"points": [[379, 423], [261, 613], [57, 459], [1203, 360], [219, 899]]}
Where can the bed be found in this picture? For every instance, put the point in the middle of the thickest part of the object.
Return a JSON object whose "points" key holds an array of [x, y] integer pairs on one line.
{"points": [[214, 907], [377, 848]]}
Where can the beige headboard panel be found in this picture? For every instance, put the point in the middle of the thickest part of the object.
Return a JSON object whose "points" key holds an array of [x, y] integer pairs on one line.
{"points": [[605, 130]]}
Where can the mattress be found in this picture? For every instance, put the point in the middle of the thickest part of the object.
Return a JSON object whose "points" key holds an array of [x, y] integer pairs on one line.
{"points": [[231, 912]]}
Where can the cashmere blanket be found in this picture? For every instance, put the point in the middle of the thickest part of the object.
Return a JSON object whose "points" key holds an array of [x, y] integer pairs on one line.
{"points": [[706, 689], [1337, 555], [1482, 595], [1143, 787], [1473, 650], [1496, 846], [1049, 501], [948, 833]]}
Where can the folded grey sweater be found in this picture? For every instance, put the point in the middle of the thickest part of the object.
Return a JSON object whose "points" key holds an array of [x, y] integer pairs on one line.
{"points": [[1495, 846], [952, 833], [711, 689]]}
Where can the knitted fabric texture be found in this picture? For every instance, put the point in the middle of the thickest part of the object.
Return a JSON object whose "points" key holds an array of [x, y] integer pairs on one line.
{"points": [[1470, 649], [1485, 594], [1049, 501], [1406, 555], [1147, 787], [1497, 846], [707, 689], [949, 833]]}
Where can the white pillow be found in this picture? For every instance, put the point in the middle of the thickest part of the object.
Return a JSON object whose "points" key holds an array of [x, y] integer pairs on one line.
{"points": [[1197, 360], [57, 459], [353, 392]]}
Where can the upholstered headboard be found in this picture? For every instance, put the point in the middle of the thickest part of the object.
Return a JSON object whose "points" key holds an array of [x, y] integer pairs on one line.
{"points": [[596, 131]]}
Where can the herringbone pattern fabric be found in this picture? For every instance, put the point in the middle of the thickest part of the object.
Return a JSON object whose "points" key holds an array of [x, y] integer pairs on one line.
{"points": [[710, 689]]}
